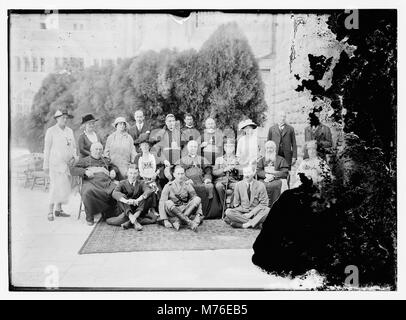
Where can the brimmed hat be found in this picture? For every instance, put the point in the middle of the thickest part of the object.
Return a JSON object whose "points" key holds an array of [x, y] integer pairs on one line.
{"points": [[143, 138], [60, 113], [87, 118], [246, 123], [170, 115], [120, 119]]}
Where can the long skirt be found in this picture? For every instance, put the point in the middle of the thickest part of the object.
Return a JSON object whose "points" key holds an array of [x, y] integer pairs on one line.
{"points": [[97, 200], [60, 187]]}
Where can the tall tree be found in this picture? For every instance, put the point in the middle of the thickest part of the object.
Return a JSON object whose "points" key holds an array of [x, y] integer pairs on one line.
{"points": [[233, 80]]}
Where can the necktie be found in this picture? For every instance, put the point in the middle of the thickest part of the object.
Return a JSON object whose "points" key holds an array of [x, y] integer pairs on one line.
{"points": [[249, 192], [170, 146]]}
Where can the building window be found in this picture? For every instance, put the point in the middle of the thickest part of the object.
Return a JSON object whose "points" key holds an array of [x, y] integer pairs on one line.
{"points": [[75, 26], [34, 64], [65, 63], [26, 64], [18, 64], [42, 25], [96, 62], [81, 26], [42, 63]]}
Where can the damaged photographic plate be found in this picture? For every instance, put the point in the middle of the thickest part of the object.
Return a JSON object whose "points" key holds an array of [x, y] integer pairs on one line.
{"points": [[204, 150]]}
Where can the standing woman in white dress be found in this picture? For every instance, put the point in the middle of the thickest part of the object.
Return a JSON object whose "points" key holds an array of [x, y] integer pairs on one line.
{"points": [[59, 154], [120, 147], [247, 145]]}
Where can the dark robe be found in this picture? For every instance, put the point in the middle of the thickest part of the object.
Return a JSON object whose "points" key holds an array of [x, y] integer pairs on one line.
{"points": [[273, 187], [96, 192]]}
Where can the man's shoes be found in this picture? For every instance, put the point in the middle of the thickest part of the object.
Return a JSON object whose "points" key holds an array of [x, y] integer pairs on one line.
{"points": [[193, 226], [137, 226], [60, 213], [176, 225], [153, 212], [236, 224], [126, 225], [51, 216], [90, 223], [198, 219]]}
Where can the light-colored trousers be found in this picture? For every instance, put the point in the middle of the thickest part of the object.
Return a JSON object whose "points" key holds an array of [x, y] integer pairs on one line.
{"points": [[236, 215]]}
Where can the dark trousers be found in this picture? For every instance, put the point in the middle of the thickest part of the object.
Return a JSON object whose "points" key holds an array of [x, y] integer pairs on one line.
{"points": [[144, 216]]}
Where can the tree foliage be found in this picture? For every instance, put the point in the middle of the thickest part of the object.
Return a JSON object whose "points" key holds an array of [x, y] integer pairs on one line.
{"points": [[363, 195], [220, 80]]}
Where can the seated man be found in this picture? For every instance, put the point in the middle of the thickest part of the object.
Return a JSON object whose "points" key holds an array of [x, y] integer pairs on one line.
{"points": [[97, 173], [271, 168], [250, 205], [134, 201], [179, 203], [197, 168], [226, 170]]}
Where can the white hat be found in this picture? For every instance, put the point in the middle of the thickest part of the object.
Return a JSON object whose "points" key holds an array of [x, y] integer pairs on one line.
{"points": [[245, 123], [120, 119], [60, 113]]}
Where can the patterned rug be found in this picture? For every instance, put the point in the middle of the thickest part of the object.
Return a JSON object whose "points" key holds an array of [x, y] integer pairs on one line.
{"points": [[211, 235]]}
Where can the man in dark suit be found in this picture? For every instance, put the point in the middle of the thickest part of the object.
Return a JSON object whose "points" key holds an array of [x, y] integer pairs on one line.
{"points": [[285, 140], [141, 129], [188, 132], [132, 197]]}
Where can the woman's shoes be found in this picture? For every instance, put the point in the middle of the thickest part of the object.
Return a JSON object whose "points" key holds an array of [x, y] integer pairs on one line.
{"points": [[90, 223], [51, 216], [60, 213]]}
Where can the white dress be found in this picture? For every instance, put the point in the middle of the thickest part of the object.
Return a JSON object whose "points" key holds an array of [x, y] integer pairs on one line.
{"points": [[247, 149], [59, 150], [121, 150]]}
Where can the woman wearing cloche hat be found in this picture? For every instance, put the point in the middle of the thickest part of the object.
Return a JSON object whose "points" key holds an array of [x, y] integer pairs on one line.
{"points": [[88, 136], [120, 147]]}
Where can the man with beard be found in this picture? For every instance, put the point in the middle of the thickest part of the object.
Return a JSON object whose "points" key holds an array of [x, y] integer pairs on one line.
{"points": [[271, 168]]}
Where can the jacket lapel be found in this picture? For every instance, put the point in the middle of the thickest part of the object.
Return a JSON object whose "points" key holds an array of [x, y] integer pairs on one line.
{"points": [[285, 129]]}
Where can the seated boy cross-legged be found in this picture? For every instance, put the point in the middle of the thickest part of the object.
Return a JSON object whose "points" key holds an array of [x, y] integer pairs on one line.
{"points": [[133, 199]]}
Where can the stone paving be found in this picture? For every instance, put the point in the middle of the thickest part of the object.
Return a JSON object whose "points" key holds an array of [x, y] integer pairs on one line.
{"points": [[45, 254]]}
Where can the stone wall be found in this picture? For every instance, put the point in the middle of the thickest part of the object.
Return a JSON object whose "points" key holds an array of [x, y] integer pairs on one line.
{"points": [[296, 36]]}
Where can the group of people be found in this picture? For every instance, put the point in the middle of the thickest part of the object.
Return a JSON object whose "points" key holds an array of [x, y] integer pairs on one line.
{"points": [[177, 176]]}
